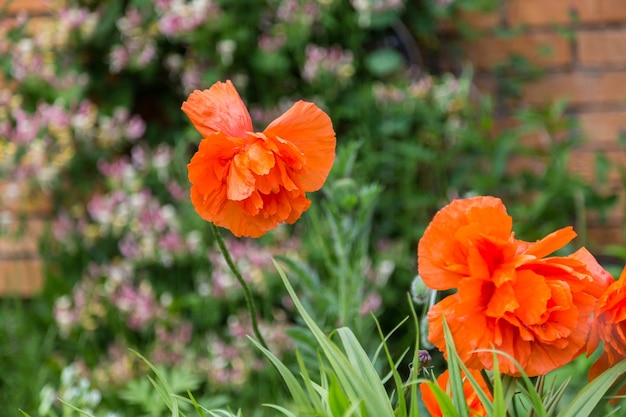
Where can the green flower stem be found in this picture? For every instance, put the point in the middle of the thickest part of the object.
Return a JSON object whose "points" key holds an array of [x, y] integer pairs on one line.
{"points": [[246, 290]]}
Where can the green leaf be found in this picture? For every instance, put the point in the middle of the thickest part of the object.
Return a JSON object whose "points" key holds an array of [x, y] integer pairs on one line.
{"points": [[412, 381], [296, 391], [591, 396], [383, 62], [352, 367], [337, 399], [454, 369]]}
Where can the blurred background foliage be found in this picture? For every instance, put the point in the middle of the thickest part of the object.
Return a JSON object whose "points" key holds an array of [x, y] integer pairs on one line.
{"points": [[90, 116]]}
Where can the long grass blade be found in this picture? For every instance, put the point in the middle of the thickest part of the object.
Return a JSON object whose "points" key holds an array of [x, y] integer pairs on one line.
{"points": [[362, 383], [588, 398], [454, 369]]}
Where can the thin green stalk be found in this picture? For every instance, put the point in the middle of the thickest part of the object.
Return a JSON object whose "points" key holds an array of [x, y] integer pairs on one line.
{"points": [[246, 290]]}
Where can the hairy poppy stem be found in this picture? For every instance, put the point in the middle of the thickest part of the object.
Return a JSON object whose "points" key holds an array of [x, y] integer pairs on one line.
{"points": [[246, 290]]}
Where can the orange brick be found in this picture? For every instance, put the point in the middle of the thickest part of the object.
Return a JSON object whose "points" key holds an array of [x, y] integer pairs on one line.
{"points": [[583, 163], [544, 49], [518, 164], [22, 239], [548, 12], [578, 88], [602, 129], [28, 203], [28, 6], [599, 236], [20, 277], [605, 47], [480, 20], [475, 20], [485, 84]]}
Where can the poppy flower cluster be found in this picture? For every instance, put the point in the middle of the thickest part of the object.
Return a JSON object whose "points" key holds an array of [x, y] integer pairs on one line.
{"points": [[249, 182], [511, 295]]}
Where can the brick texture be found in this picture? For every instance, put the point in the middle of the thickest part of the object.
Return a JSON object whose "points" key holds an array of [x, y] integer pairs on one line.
{"points": [[601, 48], [603, 128], [599, 234], [20, 266], [37, 203], [22, 239], [31, 7], [583, 163], [564, 12], [578, 88], [544, 49], [20, 277], [478, 20], [587, 67]]}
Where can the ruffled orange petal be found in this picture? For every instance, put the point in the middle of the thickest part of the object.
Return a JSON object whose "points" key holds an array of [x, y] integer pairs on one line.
{"points": [[443, 249], [532, 293], [209, 167], [551, 243], [241, 220], [218, 109], [536, 321], [609, 324], [602, 279], [310, 130], [460, 315]]}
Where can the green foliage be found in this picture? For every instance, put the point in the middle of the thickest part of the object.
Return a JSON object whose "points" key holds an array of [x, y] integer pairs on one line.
{"points": [[126, 255], [349, 383]]}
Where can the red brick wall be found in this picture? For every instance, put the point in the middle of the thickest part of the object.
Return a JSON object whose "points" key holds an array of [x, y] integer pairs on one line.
{"points": [[20, 266], [581, 45]]}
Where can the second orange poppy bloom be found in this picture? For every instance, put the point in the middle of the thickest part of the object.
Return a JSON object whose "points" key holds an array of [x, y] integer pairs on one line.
{"points": [[509, 295], [250, 182]]}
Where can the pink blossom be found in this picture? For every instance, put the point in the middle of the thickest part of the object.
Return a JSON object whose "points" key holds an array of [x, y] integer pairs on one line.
{"points": [[269, 43], [371, 304], [118, 59], [177, 192], [136, 127], [129, 247], [73, 17], [146, 55]]}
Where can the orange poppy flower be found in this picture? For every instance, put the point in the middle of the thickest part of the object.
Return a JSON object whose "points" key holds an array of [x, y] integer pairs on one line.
{"points": [[609, 326], [250, 182], [509, 296], [473, 402]]}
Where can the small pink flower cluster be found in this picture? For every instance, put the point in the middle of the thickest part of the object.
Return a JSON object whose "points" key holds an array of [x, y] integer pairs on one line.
{"points": [[385, 94], [138, 48], [231, 360], [320, 61], [297, 12], [177, 17], [40, 54], [147, 231], [104, 287], [171, 343]]}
